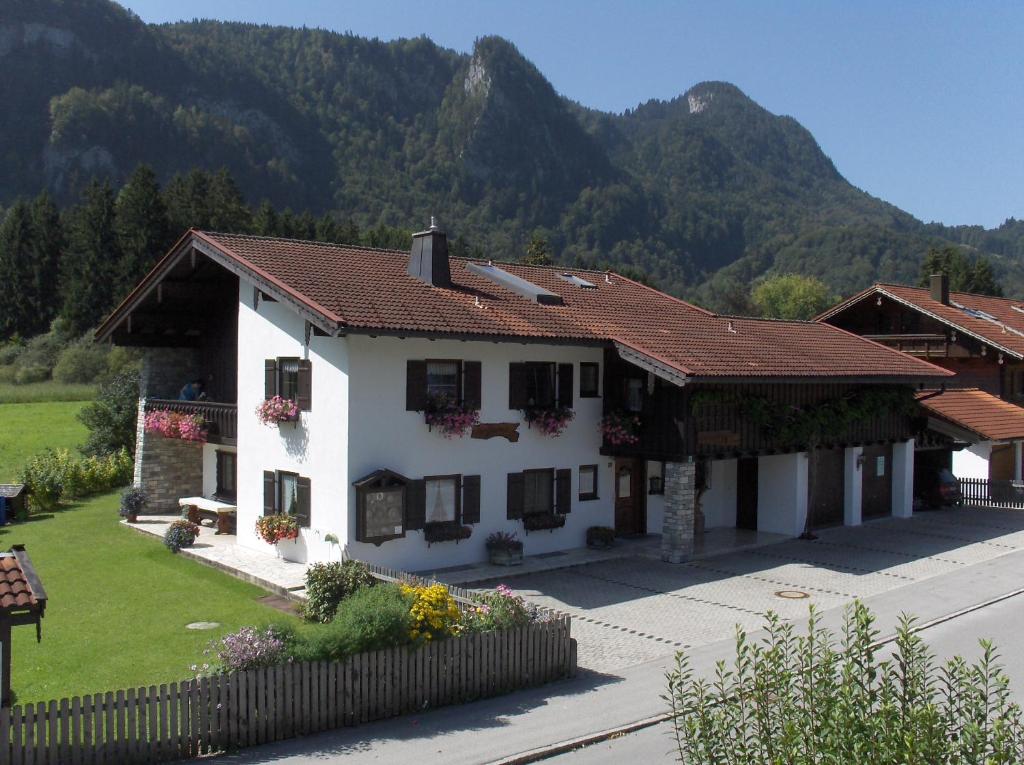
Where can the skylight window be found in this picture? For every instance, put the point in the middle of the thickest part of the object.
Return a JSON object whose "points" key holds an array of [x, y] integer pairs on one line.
{"points": [[578, 281]]}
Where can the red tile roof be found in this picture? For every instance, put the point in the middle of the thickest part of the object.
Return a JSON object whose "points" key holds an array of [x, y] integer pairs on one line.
{"points": [[1004, 331], [977, 411], [15, 591], [364, 290]]}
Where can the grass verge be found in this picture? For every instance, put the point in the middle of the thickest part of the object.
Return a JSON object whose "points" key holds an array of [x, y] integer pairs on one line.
{"points": [[26, 429], [33, 393]]}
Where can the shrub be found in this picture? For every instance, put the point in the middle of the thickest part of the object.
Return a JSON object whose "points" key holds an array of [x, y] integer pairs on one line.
{"points": [[180, 534], [55, 475], [9, 352], [113, 416], [133, 499], [328, 584], [252, 647], [804, 699], [498, 610], [82, 362], [32, 373], [370, 619], [601, 536], [434, 612]]}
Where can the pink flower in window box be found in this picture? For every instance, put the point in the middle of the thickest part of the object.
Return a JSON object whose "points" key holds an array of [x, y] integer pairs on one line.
{"points": [[276, 410]]}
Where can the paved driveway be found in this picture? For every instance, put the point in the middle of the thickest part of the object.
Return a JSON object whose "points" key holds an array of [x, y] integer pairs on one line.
{"points": [[630, 610]]}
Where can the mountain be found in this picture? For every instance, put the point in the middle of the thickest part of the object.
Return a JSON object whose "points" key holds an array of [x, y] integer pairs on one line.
{"points": [[702, 193]]}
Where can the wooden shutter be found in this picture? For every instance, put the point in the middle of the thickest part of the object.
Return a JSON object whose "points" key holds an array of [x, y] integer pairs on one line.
{"points": [[304, 396], [471, 499], [415, 504], [565, 385], [471, 382], [516, 489], [517, 386], [269, 492], [563, 491], [415, 386], [270, 378], [303, 492]]}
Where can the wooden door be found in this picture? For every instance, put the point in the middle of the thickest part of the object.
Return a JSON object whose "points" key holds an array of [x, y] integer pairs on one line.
{"points": [[630, 515], [825, 474], [876, 491], [746, 493]]}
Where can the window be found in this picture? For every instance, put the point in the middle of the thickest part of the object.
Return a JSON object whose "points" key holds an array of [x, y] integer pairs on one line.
{"points": [[538, 492], [443, 379], [226, 476], [442, 499], [590, 380], [456, 380], [634, 394], [289, 378], [588, 482], [287, 493], [539, 384]]}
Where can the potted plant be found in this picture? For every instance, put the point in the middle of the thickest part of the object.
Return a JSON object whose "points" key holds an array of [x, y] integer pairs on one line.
{"points": [[276, 410], [620, 429], [180, 534], [504, 549], [600, 537], [275, 528], [133, 499], [446, 531], [549, 420], [452, 419]]}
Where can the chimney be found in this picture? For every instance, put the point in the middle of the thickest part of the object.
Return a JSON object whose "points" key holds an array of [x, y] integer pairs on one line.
{"points": [[428, 260], [940, 288]]}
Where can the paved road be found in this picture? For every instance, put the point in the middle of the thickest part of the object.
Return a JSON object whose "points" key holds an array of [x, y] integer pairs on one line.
{"points": [[1003, 623]]}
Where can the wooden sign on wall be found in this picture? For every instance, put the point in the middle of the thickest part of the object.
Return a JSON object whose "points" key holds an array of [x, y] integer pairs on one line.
{"points": [[718, 438], [507, 430]]}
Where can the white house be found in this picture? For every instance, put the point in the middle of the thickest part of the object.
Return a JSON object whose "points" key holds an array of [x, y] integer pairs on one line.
{"points": [[366, 341]]}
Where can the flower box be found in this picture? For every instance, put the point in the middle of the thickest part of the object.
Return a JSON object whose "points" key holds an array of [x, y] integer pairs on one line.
{"points": [[550, 421], [452, 419], [446, 531], [620, 429], [186, 427], [543, 522], [276, 410]]}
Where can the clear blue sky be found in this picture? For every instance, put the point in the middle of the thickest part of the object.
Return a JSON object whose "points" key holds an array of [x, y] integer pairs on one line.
{"points": [[919, 103]]}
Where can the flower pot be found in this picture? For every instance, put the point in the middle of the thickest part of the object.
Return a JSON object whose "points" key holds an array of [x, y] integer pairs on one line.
{"points": [[293, 550], [506, 557], [600, 545], [133, 518]]}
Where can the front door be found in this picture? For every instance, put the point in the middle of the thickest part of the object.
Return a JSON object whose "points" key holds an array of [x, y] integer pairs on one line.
{"points": [[876, 491], [630, 517], [825, 493], [746, 493]]}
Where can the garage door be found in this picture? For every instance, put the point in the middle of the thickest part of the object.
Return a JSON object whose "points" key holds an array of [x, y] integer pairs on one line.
{"points": [[876, 497], [825, 476]]}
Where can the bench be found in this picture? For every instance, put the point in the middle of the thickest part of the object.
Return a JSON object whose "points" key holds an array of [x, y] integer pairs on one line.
{"points": [[222, 514]]}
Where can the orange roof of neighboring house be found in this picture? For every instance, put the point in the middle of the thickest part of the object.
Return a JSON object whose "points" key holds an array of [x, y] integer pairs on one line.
{"points": [[357, 289], [16, 582], [998, 322], [977, 411]]}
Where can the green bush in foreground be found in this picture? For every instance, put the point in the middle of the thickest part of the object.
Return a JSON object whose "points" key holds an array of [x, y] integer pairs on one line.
{"points": [[56, 475], [327, 584], [370, 619], [799, 699]]}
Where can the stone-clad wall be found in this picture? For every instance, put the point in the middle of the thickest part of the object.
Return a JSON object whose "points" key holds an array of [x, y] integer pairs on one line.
{"points": [[166, 370], [678, 524], [168, 469]]}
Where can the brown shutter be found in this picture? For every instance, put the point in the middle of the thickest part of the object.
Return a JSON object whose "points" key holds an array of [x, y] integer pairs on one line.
{"points": [[517, 386], [415, 386], [472, 373], [269, 492], [565, 385], [303, 492], [415, 504], [516, 489], [471, 499], [304, 396], [563, 491], [270, 378]]}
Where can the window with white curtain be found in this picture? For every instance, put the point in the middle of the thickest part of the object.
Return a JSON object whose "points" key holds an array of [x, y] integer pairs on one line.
{"points": [[442, 499]]}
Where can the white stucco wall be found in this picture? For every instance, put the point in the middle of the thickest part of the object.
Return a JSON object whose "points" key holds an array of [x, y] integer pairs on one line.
{"points": [[316, 447], [384, 435], [210, 467], [972, 462], [719, 501], [782, 493]]}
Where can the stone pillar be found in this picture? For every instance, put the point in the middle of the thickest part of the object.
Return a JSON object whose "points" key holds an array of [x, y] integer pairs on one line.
{"points": [[140, 442], [1017, 467], [853, 485], [677, 524], [168, 469], [903, 479]]}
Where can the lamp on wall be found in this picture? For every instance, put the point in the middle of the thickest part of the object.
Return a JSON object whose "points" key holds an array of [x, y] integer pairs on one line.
{"points": [[860, 460], [655, 485]]}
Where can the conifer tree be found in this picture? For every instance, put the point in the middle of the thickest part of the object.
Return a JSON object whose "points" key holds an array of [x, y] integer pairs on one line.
{"points": [[15, 271], [91, 265], [143, 230], [227, 208], [47, 249], [265, 221]]}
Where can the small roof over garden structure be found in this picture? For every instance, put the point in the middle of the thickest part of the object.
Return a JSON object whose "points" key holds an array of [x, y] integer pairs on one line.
{"points": [[22, 601]]}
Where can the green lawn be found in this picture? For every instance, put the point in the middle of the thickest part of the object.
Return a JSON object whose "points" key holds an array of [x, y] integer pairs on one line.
{"points": [[26, 429], [118, 605], [45, 391]]}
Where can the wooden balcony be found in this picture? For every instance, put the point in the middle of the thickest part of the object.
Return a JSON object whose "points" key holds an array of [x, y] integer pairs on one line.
{"points": [[923, 345], [221, 419]]}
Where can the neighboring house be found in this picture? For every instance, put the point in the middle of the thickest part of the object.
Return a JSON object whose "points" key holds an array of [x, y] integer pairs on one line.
{"points": [[363, 340], [976, 421]]}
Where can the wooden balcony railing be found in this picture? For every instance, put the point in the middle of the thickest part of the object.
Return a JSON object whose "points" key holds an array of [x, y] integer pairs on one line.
{"points": [[221, 419], [927, 345]]}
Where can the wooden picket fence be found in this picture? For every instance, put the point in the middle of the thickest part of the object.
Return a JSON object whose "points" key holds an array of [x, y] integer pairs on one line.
{"points": [[223, 712], [981, 492]]}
